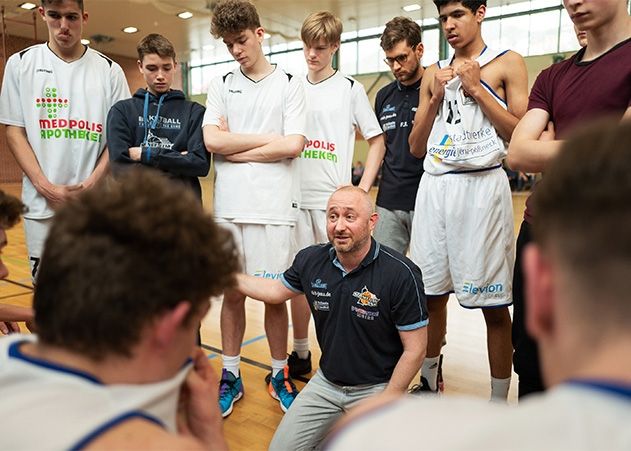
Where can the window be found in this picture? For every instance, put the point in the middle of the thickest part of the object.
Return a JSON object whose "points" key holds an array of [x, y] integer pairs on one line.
{"points": [[544, 33], [430, 46]]}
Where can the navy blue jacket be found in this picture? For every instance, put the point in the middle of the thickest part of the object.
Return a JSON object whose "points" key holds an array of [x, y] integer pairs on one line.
{"points": [[170, 126]]}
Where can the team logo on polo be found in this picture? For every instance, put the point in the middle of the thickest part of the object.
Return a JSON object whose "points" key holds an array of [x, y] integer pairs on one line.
{"points": [[51, 103], [366, 298], [318, 284]]}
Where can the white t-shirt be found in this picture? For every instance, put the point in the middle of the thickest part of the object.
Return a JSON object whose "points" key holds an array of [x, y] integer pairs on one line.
{"points": [[462, 137], [570, 417], [336, 107], [257, 193], [49, 406], [63, 107]]}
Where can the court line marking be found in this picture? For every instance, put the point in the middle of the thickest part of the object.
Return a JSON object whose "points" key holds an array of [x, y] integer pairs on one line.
{"points": [[28, 287]]}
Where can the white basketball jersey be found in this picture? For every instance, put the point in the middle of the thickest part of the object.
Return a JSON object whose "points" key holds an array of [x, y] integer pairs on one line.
{"points": [[336, 108], [49, 406], [63, 108], [257, 193], [462, 137]]}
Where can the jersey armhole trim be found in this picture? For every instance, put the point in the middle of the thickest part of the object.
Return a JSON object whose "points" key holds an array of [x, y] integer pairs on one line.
{"points": [[81, 444]]}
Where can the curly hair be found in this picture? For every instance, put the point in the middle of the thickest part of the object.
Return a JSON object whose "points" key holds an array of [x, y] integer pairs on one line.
{"points": [[400, 29], [233, 17], [121, 254], [11, 208]]}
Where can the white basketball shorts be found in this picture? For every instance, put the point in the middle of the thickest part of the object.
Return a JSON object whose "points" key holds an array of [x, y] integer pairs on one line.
{"points": [[463, 238]]}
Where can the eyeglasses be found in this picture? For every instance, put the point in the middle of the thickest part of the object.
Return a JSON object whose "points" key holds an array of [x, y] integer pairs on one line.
{"points": [[401, 59]]}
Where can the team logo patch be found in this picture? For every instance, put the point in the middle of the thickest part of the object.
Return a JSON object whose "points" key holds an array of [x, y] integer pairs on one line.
{"points": [[51, 103], [388, 108], [366, 298], [318, 284]]}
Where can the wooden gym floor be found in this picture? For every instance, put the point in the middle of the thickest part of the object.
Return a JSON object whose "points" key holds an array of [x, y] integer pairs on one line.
{"points": [[255, 417]]}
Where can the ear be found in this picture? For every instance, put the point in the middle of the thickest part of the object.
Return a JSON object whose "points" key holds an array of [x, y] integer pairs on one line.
{"points": [[139, 65], [418, 51], [168, 324], [335, 47], [260, 34], [540, 293], [480, 13], [85, 17], [42, 12], [373, 221]]}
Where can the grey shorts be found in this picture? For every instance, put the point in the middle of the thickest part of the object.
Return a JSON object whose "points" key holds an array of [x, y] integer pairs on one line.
{"points": [[393, 228]]}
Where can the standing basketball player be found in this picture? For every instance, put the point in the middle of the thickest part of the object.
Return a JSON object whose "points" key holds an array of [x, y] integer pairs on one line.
{"points": [[255, 126], [463, 241], [55, 98], [592, 83], [395, 106], [337, 106]]}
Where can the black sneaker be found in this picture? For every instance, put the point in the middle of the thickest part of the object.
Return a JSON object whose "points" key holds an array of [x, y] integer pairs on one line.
{"points": [[298, 366], [423, 386]]}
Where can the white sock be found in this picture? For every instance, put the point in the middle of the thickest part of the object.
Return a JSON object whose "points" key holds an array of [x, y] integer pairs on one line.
{"points": [[277, 366], [301, 346], [499, 389], [429, 371], [232, 363]]}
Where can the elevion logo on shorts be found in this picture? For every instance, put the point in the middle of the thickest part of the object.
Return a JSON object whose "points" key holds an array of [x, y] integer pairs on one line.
{"points": [[50, 103], [266, 275], [490, 288]]}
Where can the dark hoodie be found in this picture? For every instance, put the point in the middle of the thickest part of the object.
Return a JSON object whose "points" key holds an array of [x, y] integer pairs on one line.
{"points": [[167, 125]]}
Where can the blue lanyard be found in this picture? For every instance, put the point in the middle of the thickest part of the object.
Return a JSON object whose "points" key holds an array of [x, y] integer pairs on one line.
{"points": [[156, 118]]}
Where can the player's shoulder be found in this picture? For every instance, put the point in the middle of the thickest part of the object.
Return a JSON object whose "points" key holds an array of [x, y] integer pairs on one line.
{"points": [[97, 57], [29, 52], [140, 433], [508, 56]]}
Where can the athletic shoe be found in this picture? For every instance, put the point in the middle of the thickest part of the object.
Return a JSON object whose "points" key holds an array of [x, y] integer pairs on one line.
{"points": [[298, 366], [282, 388], [423, 387], [230, 391]]}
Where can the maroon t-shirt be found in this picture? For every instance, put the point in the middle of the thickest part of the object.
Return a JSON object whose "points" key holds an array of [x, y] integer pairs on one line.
{"points": [[575, 91]]}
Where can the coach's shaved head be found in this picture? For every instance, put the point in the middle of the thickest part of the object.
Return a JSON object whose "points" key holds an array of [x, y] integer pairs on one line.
{"points": [[350, 220]]}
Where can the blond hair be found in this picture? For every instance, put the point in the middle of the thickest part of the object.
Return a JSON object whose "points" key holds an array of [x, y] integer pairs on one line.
{"points": [[321, 25]]}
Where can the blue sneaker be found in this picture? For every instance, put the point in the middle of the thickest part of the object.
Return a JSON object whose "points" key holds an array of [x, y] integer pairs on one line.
{"points": [[230, 391], [282, 388]]}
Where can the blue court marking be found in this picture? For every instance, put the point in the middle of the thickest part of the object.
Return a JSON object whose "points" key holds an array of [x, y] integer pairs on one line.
{"points": [[245, 343]]}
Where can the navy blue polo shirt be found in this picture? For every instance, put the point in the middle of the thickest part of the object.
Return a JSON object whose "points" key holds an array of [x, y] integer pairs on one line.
{"points": [[395, 106], [358, 315]]}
